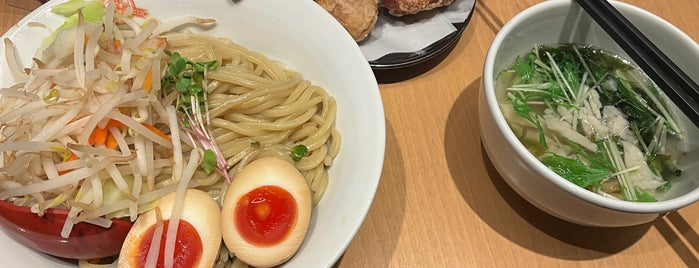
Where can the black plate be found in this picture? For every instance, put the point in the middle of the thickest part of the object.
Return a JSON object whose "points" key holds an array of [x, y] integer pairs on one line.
{"points": [[401, 60]]}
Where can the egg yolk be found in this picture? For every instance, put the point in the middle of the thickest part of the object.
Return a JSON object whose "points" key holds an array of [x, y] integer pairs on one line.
{"points": [[188, 246], [265, 215]]}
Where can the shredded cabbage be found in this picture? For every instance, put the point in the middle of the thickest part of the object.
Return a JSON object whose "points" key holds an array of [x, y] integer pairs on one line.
{"points": [[93, 11]]}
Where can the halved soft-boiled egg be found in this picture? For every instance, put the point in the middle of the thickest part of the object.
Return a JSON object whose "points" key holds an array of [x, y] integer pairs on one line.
{"points": [[198, 233], [266, 211]]}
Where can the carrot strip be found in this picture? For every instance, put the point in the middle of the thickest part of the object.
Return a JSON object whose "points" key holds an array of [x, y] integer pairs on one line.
{"points": [[98, 136], [157, 131], [148, 83], [114, 123], [111, 141], [70, 158]]}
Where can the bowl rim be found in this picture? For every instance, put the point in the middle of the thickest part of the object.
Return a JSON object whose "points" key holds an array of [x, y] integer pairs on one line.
{"points": [[567, 186]]}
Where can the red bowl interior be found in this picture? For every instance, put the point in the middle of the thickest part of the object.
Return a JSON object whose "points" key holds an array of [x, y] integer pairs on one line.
{"points": [[86, 241]]}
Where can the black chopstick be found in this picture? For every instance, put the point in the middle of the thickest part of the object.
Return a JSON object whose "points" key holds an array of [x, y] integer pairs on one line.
{"points": [[676, 84]]}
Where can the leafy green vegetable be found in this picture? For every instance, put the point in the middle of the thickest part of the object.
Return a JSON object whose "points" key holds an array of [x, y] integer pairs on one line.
{"points": [[187, 79], [526, 67], [70, 7], [575, 170], [92, 11], [597, 159], [665, 187], [677, 173], [209, 161], [298, 151], [187, 76], [556, 82], [643, 196], [526, 112]]}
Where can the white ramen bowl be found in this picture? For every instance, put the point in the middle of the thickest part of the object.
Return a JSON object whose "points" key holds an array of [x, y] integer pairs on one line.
{"points": [[304, 37], [558, 22]]}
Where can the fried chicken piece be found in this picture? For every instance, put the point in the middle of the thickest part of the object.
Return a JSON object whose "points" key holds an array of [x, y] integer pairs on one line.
{"points": [[405, 7], [357, 16]]}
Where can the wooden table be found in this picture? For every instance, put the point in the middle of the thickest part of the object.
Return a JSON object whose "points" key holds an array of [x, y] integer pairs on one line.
{"points": [[441, 203]]}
